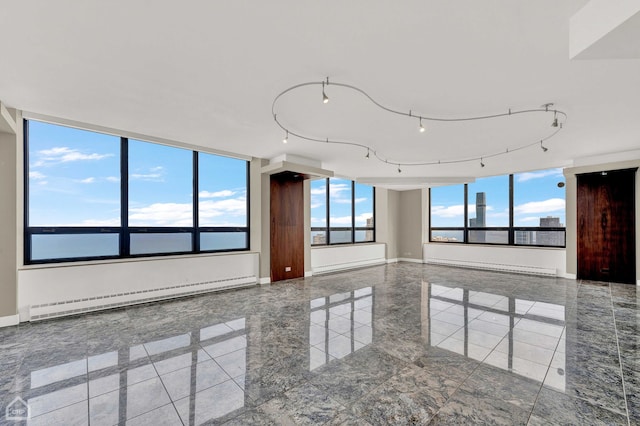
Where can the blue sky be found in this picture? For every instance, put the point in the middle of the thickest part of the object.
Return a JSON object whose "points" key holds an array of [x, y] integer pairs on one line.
{"points": [[340, 202], [536, 195], [74, 180]]}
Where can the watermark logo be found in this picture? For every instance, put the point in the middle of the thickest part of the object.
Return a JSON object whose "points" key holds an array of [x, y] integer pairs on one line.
{"points": [[18, 410]]}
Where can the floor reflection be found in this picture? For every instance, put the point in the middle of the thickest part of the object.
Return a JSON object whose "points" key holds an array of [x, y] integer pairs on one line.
{"points": [[339, 325], [202, 373], [380, 345], [522, 336]]}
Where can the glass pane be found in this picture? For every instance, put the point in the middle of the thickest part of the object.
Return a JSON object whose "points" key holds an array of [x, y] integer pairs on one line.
{"points": [[74, 177], [491, 237], [340, 214], [223, 240], [160, 185], [364, 236], [538, 200], [59, 246], [319, 203], [447, 236], [447, 206], [540, 238], [222, 191], [160, 243], [338, 237], [363, 205], [488, 202], [318, 237]]}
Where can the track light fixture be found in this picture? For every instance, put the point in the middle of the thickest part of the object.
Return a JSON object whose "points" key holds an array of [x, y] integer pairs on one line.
{"points": [[286, 137], [559, 119], [325, 98]]}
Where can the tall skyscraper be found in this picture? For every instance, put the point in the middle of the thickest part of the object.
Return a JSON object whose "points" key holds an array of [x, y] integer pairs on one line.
{"points": [[480, 220], [481, 209], [550, 238]]}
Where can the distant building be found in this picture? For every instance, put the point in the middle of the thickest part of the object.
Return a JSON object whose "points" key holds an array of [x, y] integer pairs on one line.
{"points": [[525, 237], [368, 236], [550, 238], [320, 239], [480, 221]]}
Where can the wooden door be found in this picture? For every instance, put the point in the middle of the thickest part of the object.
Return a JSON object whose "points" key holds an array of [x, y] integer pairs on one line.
{"points": [[606, 226], [287, 226]]}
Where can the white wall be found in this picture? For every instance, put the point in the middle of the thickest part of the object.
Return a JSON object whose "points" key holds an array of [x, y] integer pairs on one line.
{"points": [[62, 289], [336, 258], [538, 260]]}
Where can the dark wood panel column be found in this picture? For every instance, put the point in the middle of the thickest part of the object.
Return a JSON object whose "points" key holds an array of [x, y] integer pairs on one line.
{"points": [[287, 226], [606, 226]]}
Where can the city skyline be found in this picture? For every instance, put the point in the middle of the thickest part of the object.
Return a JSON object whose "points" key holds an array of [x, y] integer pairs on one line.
{"points": [[536, 194]]}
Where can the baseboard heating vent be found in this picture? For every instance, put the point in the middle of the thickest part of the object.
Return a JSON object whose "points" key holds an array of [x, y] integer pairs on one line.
{"points": [[518, 269], [98, 303]]}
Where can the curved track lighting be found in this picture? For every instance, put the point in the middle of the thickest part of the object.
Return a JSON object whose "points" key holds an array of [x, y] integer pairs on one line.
{"points": [[545, 108]]}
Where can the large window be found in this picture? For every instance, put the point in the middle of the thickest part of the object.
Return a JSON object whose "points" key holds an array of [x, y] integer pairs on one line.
{"points": [[95, 196], [521, 209], [342, 212]]}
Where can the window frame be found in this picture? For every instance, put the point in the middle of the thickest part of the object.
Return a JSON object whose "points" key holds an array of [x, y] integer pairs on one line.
{"points": [[124, 230], [511, 229], [353, 228]]}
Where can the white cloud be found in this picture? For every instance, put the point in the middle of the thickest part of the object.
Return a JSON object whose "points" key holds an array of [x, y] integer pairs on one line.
{"points": [[450, 211], [217, 194], [157, 177], [318, 191], [536, 207], [346, 220], [340, 220], [523, 177], [153, 174], [36, 175], [229, 212], [335, 188], [64, 154], [529, 219], [360, 200], [88, 180], [318, 220], [113, 179], [162, 214]]}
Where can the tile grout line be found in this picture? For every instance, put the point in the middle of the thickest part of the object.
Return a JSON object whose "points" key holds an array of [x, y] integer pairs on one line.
{"points": [[615, 327], [163, 386]]}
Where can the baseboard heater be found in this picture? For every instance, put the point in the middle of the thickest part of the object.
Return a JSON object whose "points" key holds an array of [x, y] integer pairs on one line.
{"points": [[98, 303], [336, 267], [518, 269]]}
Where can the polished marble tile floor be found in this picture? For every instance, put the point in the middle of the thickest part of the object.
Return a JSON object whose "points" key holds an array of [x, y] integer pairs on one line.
{"points": [[396, 344]]}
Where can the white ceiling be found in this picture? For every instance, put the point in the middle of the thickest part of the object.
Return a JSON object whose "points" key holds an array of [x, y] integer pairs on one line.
{"points": [[206, 73]]}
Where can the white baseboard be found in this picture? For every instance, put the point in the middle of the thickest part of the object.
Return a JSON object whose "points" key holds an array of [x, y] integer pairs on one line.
{"points": [[98, 303], [394, 260], [348, 265], [408, 259], [519, 269], [266, 280], [9, 321], [570, 276], [308, 274]]}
